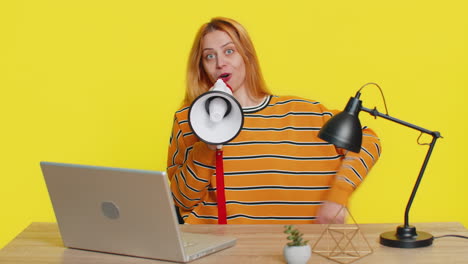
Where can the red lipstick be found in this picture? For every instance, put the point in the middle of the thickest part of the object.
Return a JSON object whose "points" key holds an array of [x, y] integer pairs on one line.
{"points": [[225, 77]]}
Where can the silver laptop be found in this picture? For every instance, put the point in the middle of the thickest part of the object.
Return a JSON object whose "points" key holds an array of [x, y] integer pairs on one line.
{"points": [[122, 211]]}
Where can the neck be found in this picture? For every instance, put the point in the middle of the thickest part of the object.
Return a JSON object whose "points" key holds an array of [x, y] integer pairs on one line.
{"points": [[245, 99]]}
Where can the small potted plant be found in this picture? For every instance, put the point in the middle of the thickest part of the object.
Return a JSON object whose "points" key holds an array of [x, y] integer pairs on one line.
{"points": [[297, 251]]}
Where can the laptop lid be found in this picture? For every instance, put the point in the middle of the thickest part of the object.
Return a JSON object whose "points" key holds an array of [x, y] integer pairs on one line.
{"points": [[122, 211]]}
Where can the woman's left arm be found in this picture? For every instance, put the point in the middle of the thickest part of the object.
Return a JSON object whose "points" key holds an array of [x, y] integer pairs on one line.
{"points": [[353, 170]]}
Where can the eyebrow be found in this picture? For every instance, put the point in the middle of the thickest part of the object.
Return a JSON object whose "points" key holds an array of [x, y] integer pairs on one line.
{"points": [[230, 42]]}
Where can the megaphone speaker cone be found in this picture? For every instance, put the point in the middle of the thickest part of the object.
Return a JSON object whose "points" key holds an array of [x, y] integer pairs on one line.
{"points": [[213, 129], [217, 108]]}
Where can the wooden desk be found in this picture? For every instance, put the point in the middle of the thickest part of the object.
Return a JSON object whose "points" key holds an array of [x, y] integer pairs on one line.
{"points": [[41, 243]]}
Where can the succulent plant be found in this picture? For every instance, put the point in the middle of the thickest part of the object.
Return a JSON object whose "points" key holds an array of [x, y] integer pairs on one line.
{"points": [[295, 236]]}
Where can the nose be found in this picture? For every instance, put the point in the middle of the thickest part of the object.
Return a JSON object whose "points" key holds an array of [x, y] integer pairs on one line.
{"points": [[220, 61]]}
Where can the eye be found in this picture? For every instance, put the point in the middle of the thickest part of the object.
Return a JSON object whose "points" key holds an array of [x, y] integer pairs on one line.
{"points": [[229, 51], [210, 56]]}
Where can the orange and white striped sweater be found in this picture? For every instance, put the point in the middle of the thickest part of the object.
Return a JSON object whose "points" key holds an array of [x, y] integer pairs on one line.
{"points": [[276, 170]]}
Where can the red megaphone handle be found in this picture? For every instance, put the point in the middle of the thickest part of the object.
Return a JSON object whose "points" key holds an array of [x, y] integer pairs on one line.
{"points": [[221, 196]]}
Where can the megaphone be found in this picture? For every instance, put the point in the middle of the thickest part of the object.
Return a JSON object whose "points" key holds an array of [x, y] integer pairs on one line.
{"points": [[216, 117]]}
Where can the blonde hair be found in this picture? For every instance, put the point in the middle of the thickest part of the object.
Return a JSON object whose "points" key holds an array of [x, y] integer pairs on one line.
{"points": [[198, 80]]}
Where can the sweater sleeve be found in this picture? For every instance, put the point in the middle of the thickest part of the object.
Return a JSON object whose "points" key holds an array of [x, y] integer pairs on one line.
{"points": [[189, 168], [354, 167]]}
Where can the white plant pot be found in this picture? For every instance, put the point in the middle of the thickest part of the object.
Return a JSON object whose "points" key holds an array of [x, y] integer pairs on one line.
{"points": [[297, 254]]}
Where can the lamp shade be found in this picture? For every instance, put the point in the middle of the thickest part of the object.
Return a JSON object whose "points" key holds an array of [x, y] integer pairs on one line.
{"points": [[344, 129]]}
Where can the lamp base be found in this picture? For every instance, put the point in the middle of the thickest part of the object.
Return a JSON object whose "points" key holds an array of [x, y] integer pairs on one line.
{"points": [[406, 237]]}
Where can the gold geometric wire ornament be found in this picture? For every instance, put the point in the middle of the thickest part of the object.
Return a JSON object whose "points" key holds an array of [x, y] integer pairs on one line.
{"points": [[343, 243]]}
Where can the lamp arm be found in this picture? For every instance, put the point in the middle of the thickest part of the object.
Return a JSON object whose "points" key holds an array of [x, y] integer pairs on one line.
{"points": [[418, 180], [374, 112], [435, 136]]}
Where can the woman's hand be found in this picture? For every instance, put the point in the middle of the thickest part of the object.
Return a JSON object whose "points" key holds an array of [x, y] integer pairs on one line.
{"points": [[212, 147], [328, 211]]}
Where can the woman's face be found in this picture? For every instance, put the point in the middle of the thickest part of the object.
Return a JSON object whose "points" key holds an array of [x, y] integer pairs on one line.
{"points": [[221, 60]]}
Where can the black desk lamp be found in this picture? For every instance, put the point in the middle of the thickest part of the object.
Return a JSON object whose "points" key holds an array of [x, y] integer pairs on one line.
{"points": [[344, 131]]}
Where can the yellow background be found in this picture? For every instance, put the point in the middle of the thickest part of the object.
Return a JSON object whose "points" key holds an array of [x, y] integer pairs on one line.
{"points": [[97, 82]]}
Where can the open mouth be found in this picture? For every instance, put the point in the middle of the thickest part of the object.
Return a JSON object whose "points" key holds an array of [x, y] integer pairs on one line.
{"points": [[225, 76]]}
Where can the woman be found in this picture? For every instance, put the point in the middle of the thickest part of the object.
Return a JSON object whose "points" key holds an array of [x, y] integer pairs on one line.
{"points": [[277, 170]]}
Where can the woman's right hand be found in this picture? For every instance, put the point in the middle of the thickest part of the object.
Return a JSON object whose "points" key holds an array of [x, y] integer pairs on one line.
{"points": [[212, 147]]}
